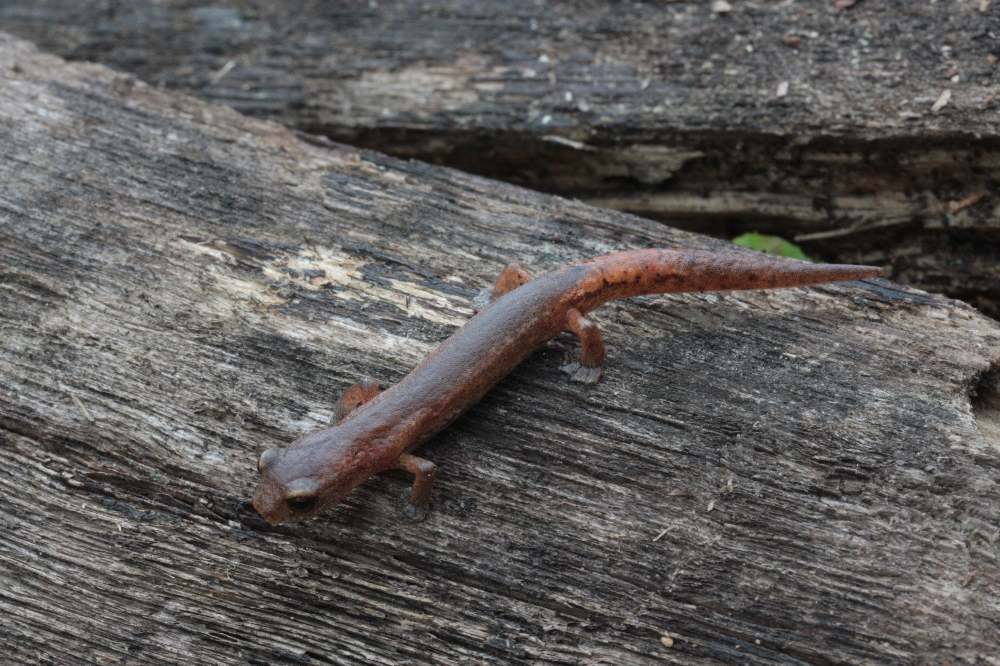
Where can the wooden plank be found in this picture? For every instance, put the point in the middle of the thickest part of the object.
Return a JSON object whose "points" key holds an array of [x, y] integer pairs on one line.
{"points": [[633, 69], [867, 135], [784, 477]]}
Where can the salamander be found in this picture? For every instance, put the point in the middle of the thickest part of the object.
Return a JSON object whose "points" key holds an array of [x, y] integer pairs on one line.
{"points": [[376, 431]]}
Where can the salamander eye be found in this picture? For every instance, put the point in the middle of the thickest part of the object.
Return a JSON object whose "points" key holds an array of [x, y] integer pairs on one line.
{"points": [[267, 459], [301, 495], [300, 504]]}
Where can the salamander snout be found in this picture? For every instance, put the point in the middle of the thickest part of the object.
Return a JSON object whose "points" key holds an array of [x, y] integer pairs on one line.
{"points": [[279, 500], [299, 481]]}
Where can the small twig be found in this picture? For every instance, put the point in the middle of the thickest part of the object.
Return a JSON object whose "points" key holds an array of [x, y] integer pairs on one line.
{"points": [[955, 206], [832, 233], [570, 143], [82, 409], [225, 69], [664, 532], [942, 101], [857, 228]]}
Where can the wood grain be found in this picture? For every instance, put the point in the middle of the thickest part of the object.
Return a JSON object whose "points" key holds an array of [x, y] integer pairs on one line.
{"points": [[862, 134], [824, 460]]}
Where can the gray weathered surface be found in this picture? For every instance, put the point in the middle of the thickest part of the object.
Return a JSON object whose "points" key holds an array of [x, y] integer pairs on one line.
{"points": [[205, 284], [632, 68], [664, 109]]}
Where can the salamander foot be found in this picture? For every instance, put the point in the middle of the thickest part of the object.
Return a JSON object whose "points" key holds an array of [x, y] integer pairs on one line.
{"points": [[413, 512], [585, 365], [417, 500], [580, 373]]}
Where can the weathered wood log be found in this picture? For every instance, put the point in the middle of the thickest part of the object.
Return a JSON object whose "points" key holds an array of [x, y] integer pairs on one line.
{"points": [[783, 477], [868, 135]]}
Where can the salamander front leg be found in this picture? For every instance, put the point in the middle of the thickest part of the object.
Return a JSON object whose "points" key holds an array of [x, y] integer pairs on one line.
{"points": [[419, 502], [362, 392], [587, 366], [511, 277]]}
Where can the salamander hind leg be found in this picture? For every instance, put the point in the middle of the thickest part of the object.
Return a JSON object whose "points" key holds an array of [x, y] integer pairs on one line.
{"points": [[419, 501], [587, 364], [362, 392], [511, 277]]}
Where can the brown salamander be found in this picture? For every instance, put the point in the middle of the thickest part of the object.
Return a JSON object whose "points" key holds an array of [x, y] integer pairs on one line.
{"points": [[376, 432]]}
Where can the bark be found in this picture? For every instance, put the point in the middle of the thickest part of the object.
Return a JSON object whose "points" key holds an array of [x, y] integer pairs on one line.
{"points": [[868, 134], [803, 476]]}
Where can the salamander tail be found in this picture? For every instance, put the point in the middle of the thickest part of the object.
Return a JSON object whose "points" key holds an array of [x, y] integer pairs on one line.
{"points": [[659, 271]]}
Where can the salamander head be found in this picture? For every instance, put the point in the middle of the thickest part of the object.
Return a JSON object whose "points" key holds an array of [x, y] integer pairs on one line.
{"points": [[292, 487]]}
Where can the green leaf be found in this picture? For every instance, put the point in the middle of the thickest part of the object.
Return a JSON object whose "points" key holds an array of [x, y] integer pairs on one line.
{"points": [[771, 245]]}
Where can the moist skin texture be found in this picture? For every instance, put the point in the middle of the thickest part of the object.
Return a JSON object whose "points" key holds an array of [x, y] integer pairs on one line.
{"points": [[379, 431]]}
